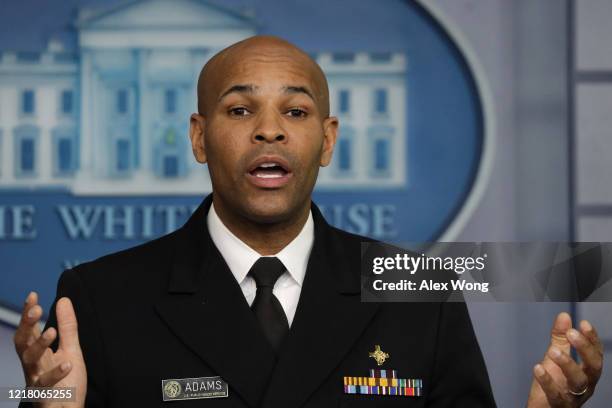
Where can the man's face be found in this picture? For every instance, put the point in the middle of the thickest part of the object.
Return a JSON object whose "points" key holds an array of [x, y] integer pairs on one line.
{"points": [[264, 136]]}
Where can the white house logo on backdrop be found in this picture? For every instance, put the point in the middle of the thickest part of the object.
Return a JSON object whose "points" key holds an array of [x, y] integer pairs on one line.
{"points": [[113, 118], [94, 148]]}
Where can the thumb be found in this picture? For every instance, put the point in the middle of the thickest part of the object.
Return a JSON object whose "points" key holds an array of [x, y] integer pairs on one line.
{"points": [[563, 322], [67, 325]]}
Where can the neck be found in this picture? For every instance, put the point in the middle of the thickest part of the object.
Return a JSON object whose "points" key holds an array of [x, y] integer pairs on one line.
{"points": [[264, 238]]}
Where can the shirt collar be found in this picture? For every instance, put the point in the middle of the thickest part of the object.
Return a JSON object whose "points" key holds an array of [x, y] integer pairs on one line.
{"points": [[240, 257]]}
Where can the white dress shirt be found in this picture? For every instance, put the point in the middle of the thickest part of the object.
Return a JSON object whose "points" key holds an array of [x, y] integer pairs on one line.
{"points": [[240, 258]]}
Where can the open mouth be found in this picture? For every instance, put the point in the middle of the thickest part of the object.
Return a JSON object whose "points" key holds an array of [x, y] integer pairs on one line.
{"points": [[269, 172]]}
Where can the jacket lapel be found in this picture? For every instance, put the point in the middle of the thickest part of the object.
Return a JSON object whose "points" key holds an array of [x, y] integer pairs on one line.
{"points": [[206, 309], [329, 319]]}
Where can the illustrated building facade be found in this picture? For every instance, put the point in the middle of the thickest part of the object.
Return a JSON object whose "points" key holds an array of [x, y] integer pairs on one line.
{"points": [[112, 116]]}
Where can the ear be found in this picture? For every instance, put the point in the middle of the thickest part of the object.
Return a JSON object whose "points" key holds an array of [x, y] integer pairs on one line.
{"points": [[196, 134], [330, 134]]}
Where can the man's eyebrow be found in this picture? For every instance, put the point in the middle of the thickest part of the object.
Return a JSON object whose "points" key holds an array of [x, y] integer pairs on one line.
{"points": [[297, 89], [240, 88]]}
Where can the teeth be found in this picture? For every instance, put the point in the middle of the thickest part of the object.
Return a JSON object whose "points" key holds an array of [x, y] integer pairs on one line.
{"points": [[266, 165], [266, 176]]}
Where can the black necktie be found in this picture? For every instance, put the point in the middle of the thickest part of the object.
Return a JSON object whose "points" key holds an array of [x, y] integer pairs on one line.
{"points": [[266, 306]]}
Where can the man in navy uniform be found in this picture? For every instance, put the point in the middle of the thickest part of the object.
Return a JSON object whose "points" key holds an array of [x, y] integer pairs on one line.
{"points": [[256, 295]]}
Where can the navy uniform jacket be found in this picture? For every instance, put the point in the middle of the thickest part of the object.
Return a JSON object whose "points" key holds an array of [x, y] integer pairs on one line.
{"points": [[171, 308]]}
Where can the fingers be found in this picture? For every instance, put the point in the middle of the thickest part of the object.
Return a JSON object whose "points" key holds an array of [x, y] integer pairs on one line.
{"points": [[553, 393], [563, 322], [67, 325], [55, 375], [35, 351], [591, 356], [576, 378], [28, 331], [32, 354], [587, 329]]}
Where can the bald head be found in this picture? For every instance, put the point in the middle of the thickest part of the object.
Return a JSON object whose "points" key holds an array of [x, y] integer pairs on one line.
{"points": [[234, 60]]}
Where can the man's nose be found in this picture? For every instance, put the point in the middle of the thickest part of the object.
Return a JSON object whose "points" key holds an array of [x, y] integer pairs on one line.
{"points": [[269, 128]]}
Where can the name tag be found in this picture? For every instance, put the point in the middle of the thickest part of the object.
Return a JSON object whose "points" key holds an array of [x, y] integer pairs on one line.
{"points": [[178, 389]]}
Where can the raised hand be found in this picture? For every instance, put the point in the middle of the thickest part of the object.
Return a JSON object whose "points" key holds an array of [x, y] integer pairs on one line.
{"points": [[41, 366], [558, 380]]}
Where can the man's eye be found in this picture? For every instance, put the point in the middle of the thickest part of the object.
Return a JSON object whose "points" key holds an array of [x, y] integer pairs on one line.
{"points": [[239, 111], [297, 113]]}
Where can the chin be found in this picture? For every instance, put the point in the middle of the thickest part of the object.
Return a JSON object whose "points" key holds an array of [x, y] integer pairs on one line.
{"points": [[270, 208]]}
